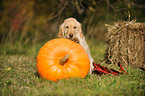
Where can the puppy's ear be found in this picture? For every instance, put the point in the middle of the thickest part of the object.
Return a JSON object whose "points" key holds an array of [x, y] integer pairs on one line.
{"points": [[80, 30], [61, 31]]}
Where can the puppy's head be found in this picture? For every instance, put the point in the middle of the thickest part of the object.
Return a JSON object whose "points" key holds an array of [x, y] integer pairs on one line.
{"points": [[70, 29]]}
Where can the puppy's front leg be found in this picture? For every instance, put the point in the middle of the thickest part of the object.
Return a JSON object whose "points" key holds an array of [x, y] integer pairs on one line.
{"points": [[86, 47]]}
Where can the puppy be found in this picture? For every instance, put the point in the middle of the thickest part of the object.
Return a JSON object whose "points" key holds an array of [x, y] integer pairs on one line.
{"points": [[71, 29]]}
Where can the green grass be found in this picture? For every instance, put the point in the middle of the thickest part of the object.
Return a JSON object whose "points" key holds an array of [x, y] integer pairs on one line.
{"points": [[18, 76]]}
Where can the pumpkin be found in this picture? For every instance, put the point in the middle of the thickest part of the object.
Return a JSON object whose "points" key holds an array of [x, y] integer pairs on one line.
{"points": [[62, 58]]}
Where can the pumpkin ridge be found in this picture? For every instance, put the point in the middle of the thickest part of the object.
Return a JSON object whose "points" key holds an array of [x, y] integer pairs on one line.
{"points": [[54, 72], [70, 75], [67, 70], [73, 49], [60, 49], [77, 64], [58, 73], [44, 72], [50, 49], [46, 59], [74, 70], [69, 67]]}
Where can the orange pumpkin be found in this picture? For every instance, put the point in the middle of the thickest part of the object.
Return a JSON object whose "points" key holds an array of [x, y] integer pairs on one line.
{"points": [[62, 58]]}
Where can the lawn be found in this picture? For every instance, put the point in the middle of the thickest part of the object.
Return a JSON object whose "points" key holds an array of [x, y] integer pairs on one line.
{"points": [[18, 76]]}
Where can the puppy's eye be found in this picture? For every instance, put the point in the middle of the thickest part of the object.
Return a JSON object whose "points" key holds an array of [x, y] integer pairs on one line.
{"points": [[67, 27], [75, 27]]}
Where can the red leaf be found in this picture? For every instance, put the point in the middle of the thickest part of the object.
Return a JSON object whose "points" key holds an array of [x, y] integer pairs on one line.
{"points": [[114, 72], [142, 68], [101, 69], [98, 67], [104, 68], [121, 68]]}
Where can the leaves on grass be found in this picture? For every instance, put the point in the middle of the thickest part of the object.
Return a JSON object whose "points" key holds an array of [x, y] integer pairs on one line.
{"points": [[101, 69], [98, 69]]}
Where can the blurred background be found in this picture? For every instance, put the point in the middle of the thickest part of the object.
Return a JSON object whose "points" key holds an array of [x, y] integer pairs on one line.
{"points": [[26, 24]]}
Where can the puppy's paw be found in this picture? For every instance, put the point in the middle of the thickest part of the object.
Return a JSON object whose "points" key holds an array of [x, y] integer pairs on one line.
{"points": [[75, 39]]}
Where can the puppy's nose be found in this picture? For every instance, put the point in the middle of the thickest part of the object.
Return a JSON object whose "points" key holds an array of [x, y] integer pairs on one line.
{"points": [[71, 35]]}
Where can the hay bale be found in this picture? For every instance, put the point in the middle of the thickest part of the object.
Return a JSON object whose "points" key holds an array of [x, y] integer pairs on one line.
{"points": [[126, 43]]}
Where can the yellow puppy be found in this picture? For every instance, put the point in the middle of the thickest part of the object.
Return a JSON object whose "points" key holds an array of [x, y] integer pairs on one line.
{"points": [[71, 29]]}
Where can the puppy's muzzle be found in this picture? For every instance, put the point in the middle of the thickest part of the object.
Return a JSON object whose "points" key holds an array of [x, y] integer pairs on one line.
{"points": [[70, 35]]}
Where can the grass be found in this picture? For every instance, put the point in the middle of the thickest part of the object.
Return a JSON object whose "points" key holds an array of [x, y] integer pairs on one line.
{"points": [[18, 76]]}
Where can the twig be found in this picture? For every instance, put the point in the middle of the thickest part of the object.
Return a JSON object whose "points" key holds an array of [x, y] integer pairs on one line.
{"points": [[128, 13], [60, 11], [81, 4], [109, 5], [139, 6], [80, 11]]}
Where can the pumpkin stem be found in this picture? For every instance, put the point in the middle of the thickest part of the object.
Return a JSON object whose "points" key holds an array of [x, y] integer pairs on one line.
{"points": [[63, 60]]}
